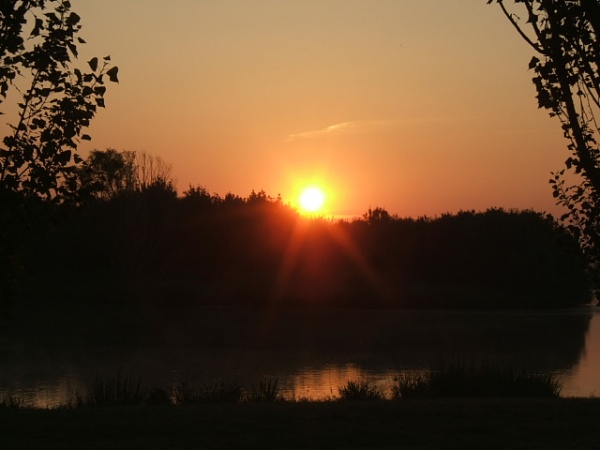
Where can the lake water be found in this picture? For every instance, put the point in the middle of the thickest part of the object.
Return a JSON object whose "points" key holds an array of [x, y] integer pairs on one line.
{"points": [[47, 353]]}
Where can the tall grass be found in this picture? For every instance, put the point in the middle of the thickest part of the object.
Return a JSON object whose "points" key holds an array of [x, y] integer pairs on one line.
{"points": [[122, 390], [360, 390], [9, 401], [453, 379], [266, 392], [467, 379], [157, 396], [217, 392]]}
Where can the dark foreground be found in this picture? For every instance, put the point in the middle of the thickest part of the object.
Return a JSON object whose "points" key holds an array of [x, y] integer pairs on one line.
{"points": [[416, 424]]}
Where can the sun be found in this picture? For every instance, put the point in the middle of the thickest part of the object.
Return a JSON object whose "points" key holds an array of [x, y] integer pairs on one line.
{"points": [[312, 200]]}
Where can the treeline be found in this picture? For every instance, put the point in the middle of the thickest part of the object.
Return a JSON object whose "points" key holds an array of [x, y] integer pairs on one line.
{"points": [[146, 244]]}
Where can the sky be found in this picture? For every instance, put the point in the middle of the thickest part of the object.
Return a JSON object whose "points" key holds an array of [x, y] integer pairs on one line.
{"points": [[420, 107]]}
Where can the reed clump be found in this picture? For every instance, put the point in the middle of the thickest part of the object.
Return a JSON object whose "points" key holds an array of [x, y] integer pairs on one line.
{"points": [[121, 390], [360, 390], [478, 380], [456, 379], [216, 392], [11, 402], [267, 391]]}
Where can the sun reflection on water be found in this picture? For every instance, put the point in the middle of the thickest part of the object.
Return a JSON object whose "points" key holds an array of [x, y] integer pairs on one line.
{"points": [[36, 384], [324, 383]]}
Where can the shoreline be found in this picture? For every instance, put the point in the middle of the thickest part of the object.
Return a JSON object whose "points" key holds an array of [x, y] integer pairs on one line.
{"points": [[415, 424]]}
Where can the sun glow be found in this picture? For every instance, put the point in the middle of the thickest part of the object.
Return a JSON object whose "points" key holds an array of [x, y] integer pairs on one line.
{"points": [[311, 200]]}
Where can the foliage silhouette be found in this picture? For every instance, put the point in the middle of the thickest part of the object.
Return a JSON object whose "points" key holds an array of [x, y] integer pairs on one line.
{"points": [[107, 174], [153, 246], [564, 35], [55, 102], [38, 157]]}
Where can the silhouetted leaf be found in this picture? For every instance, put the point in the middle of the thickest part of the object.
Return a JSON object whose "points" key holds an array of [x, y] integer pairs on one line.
{"points": [[112, 74], [39, 25], [63, 157], [534, 62], [73, 49], [39, 123], [93, 63], [569, 163], [73, 19], [86, 137]]}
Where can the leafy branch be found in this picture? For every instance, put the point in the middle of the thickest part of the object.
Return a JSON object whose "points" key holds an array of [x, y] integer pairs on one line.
{"points": [[39, 156]]}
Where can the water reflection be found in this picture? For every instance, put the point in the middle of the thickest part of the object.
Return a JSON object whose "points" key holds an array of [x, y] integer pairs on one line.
{"points": [[312, 354], [583, 380], [324, 383]]}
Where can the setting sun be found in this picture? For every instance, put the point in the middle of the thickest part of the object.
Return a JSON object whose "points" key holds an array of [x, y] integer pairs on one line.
{"points": [[312, 199]]}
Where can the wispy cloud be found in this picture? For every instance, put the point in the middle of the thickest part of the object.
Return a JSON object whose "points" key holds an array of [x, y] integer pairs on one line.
{"points": [[339, 128], [358, 126], [369, 126]]}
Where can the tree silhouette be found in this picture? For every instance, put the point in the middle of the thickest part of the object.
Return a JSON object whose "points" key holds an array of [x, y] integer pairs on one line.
{"points": [[107, 174], [377, 215], [564, 35], [58, 100], [55, 102]]}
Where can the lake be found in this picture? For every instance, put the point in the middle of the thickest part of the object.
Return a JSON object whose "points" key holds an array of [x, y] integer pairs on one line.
{"points": [[49, 352]]}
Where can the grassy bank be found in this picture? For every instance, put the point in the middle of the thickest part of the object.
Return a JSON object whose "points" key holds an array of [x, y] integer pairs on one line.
{"points": [[453, 380], [415, 424]]}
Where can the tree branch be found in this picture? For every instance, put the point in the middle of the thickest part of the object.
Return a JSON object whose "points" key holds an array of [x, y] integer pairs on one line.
{"points": [[518, 28]]}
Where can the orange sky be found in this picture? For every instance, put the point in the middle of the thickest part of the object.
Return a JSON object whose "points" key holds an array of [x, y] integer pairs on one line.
{"points": [[420, 107]]}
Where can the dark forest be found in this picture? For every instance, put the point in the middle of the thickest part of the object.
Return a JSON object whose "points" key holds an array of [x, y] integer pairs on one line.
{"points": [[147, 244]]}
